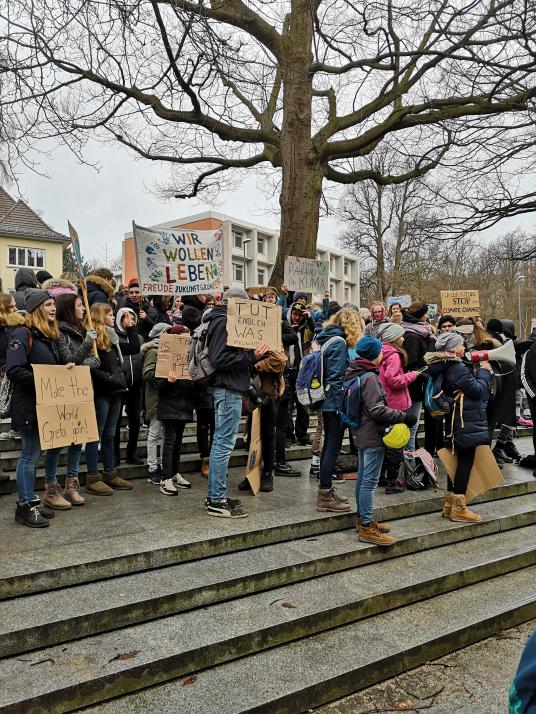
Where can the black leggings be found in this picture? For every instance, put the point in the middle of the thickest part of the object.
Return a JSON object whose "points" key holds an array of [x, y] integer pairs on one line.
{"points": [[466, 459], [205, 430], [171, 450]]}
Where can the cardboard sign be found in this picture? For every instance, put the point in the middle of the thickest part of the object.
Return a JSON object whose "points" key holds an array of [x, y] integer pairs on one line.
{"points": [[75, 241], [250, 323], [404, 300], [306, 275], [485, 473], [254, 465], [460, 303], [65, 407], [179, 262], [173, 356]]}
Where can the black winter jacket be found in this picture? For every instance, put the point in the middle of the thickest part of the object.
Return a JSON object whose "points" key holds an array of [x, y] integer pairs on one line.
{"points": [[502, 408], [192, 311], [19, 359], [24, 280], [528, 372], [109, 379], [375, 414], [470, 420], [144, 326], [175, 400], [132, 361], [417, 342], [232, 364], [74, 344]]}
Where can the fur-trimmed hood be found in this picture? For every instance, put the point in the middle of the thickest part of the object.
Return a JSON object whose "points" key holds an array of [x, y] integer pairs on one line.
{"points": [[58, 286], [13, 319], [436, 357], [101, 283]]}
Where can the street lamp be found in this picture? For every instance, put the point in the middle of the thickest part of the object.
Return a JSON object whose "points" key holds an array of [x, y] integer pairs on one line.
{"points": [[244, 244], [519, 280]]}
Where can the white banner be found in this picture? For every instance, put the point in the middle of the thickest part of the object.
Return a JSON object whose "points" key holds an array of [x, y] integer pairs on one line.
{"points": [[179, 262]]}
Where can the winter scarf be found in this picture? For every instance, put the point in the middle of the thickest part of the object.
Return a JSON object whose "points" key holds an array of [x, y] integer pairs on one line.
{"points": [[271, 369]]}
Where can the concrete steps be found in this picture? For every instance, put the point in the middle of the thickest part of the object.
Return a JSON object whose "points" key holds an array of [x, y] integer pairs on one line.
{"points": [[279, 612]]}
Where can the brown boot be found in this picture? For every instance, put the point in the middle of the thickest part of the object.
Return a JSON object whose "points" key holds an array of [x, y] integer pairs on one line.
{"points": [[459, 513], [204, 467], [342, 499], [384, 527], [327, 500], [447, 504], [97, 487], [372, 534], [111, 478], [54, 497], [72, 491]]}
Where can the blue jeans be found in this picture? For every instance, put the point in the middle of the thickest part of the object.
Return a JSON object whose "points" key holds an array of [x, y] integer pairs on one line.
{"points": [[333, 433], [228, 410], [108, 411], [370, 466], [52, 457], [415, 408], [26, 466]]}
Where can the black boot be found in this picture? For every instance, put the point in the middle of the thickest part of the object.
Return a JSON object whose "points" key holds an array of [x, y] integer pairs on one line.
{"points": [[285, 469], [267, 481], [45, 511], [510, 449], [391, 474], [500, 454], [244, 485], [30, 516]]}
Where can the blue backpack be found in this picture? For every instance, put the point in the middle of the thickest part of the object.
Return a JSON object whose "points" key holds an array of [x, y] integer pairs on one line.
{"points": [[310, 390], [351, 407], [435, 399]]}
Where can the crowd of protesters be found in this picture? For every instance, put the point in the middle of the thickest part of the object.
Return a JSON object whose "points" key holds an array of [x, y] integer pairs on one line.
{"points": [[393, 351]]}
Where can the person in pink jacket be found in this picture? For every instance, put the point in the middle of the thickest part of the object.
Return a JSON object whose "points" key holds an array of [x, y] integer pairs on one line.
{"points": [[395, 382]]}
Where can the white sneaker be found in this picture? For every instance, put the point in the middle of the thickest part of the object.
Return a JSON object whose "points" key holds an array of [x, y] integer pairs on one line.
{"points": [[181, 482], [168, 488]]}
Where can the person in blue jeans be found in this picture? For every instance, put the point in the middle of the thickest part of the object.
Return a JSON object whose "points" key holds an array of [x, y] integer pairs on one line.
{"points": [[375, 416], [231, 381]]}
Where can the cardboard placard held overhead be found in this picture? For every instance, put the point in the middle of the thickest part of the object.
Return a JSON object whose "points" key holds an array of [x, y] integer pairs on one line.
{"points": [[253, 468], [173, 356], [251, 323], [485, 473], [460, 303], [65, 406], [306, 275]]}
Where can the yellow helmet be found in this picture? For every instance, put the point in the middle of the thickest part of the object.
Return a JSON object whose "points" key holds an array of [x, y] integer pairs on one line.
{"points": [[396, 436]]}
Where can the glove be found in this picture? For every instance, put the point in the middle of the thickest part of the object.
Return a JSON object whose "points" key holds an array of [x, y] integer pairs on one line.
{"points": [[410, 420], [91, 336]]}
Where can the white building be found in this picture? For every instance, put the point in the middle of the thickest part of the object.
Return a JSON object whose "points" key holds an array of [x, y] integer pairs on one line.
{"points": [[250, 251]]}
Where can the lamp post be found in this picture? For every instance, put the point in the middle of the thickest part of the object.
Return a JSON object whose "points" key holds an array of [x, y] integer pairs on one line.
{"points": [[244, 244], [519, 280]]}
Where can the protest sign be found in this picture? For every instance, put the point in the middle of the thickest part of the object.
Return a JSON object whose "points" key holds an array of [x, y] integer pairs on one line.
{"points": [[485, 473], [179, 262], [173, 356], [251, 323], [460, 303], [432, 311], [306, 275], [75, 241], [65, 407], [253, 469], [404, 300]]}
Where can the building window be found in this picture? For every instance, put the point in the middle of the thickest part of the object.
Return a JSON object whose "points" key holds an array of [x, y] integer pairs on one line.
{"points": [[238, 237], [261, 276], [26, 257], [238, 272], [347, 269], [260, 245], [347, 296]]}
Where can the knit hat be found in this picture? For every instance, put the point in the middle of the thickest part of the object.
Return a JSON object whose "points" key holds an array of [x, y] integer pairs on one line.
{"points": [[178, 330], [368, 347], [133, 283], [300, 296], [446, 318], [158, 329], [333, 308], [36, 297], [418, 309], [447, 341], [235, 293], [494, 325], [390, 331], [42, 275]]}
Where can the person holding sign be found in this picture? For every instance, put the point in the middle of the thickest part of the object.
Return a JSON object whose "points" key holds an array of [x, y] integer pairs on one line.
{"points": [[37, 342]]}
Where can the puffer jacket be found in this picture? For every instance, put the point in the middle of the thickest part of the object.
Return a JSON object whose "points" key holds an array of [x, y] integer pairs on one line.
{"points": [[132, 359], [375, 414], [335, 358], [25, 280], [176, 400], [470, 392], [79, 349], [418, 340], [393, 378]]}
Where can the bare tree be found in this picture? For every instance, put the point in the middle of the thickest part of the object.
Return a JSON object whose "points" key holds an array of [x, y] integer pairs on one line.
{"points": [[308, 89]]}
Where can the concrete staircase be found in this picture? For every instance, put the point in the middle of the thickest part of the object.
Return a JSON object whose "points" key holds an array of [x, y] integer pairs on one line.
{"points": [[141, 603]]}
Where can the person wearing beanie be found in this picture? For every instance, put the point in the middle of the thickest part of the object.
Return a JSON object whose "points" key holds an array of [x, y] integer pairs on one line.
{"points": [[395, 382], [35, 342], [378, 315], [340, 332], [375, 416], [469, 393], [42, 276], [418, 340], [446, 323], [334, 308], [230, 382]]}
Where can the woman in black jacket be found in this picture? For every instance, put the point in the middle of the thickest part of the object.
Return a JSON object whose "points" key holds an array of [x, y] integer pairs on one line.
{"points": [[109, 384], [37, 342]]}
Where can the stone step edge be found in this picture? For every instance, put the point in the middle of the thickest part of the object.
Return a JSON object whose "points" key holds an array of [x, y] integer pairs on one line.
{"points": [[131, 677], [108, 619]]}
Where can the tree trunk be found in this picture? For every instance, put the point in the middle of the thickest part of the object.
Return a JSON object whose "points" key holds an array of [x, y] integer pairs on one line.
{"points": [[302, 173]]}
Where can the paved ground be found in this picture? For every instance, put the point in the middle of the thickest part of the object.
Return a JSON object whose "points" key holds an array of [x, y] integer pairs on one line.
{"points": [[474, 680]]}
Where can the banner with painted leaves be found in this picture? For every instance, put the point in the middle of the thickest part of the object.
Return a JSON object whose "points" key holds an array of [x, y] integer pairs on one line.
{"points": [[188, 262]]}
